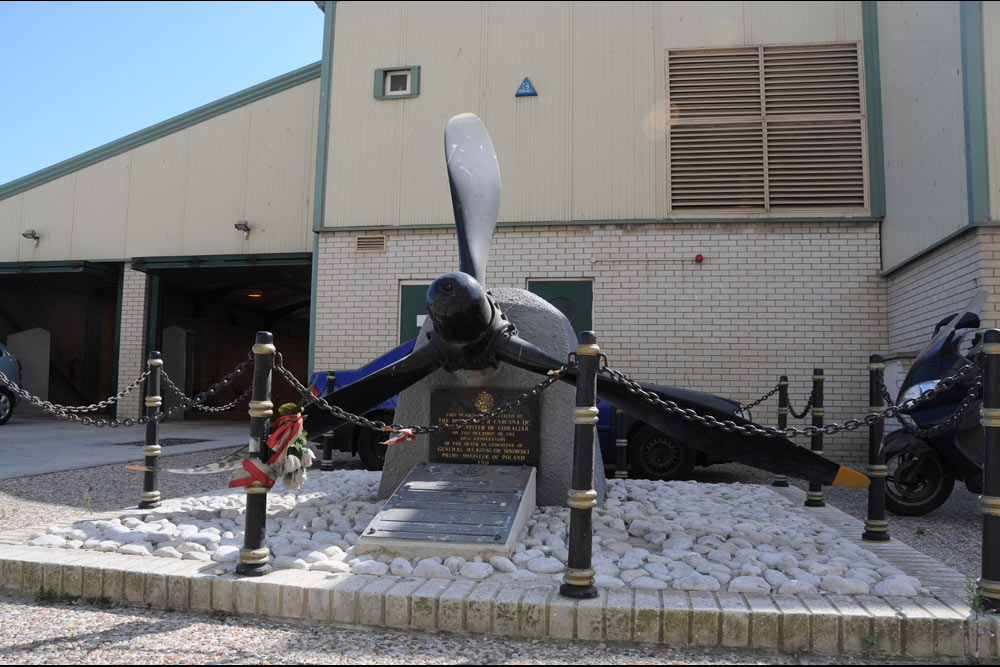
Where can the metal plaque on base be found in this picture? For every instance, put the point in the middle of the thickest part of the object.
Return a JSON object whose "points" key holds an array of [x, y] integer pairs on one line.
{"points": [[444, 510], [510, 439]]}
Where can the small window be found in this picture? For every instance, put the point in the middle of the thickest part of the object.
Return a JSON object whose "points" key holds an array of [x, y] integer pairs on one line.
{"points": [[396, 82]]}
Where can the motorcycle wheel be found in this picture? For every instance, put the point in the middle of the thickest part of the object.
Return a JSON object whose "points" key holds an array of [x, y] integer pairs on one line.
{"points": [[654, 455], [371, 444], [918, 481]]}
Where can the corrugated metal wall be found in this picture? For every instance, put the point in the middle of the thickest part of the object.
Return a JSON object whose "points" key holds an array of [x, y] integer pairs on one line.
{"points": [[181, 194], [589, 147]]}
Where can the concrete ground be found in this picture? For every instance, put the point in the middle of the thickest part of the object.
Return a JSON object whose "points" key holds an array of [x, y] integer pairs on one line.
{"points": [[34, 445]]}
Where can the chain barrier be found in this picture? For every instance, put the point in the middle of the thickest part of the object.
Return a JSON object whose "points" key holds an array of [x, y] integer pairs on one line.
{"points": [[70, 413], [805, 410], [753, 404], [974, 392], [359, 420], [789, 431], [196, 402], [93, 407]]}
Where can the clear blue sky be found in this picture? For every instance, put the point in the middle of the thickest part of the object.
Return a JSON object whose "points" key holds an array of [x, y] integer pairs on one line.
{"points": [[76, 75]]}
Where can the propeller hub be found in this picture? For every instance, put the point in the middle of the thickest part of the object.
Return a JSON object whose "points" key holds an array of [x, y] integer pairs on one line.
{"points": [[459, 308]]}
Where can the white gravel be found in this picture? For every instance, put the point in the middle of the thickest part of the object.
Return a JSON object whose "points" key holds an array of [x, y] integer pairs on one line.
{"points": [[38, 632], [653, 535]]}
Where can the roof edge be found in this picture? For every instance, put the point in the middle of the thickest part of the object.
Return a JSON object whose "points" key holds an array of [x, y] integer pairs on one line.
{"points": [[162, 129]]}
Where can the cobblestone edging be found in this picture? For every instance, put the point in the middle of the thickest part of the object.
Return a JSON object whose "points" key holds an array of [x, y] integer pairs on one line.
{"points": [[928, 627]]}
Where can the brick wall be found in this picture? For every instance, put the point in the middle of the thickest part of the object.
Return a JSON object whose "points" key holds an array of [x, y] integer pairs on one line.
{"points": [[768, 299], [937, 284], [131, 355]]}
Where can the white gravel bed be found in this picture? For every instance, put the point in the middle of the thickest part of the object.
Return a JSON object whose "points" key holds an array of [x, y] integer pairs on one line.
{"points": [[652, 535]]}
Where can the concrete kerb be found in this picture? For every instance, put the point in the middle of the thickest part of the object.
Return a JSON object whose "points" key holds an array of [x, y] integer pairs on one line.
{"points": [[940, 627]]}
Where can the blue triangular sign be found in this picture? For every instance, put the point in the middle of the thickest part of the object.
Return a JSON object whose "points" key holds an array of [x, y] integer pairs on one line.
{"points": [[526, 89]]}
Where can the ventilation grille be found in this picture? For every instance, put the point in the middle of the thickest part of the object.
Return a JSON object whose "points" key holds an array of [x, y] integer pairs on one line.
{"points": [[373, 243], [766, 128]]}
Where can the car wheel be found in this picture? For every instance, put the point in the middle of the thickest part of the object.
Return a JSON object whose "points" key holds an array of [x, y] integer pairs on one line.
{"points": [[371, 444], [654, 455], [6, 406]]}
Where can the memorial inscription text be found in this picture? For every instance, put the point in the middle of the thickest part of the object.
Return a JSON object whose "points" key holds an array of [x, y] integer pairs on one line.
{"points": [[511, 438]]}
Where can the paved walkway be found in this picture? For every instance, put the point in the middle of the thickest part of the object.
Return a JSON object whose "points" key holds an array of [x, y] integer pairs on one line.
{"points": [[35, 445], [941, 626]]}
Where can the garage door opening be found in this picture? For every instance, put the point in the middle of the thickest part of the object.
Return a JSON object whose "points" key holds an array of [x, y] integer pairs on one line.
{"points": [[204, 319]]}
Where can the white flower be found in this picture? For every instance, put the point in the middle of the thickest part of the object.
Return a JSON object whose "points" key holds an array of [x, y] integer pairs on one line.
{"points": [[307, 457], [292, 463]]}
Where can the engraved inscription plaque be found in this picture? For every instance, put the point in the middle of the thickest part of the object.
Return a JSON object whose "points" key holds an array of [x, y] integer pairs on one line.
{"points": [[512, 438]]}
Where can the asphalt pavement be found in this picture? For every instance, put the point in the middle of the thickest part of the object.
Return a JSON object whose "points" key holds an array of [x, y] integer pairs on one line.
{"points": [[32, 445]]}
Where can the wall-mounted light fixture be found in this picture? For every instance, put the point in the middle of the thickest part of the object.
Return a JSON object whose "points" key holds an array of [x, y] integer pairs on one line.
{"points": [[32, 235], [244, 227]]}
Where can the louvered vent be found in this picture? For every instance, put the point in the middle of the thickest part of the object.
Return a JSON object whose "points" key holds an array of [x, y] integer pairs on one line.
{"points": [[772, 127], [374, 243]]}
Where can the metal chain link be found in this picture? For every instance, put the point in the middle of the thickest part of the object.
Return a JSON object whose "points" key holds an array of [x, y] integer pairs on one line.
{"points": [[971, 395], [196, 402], [93, 407], [805, 410], [359, 420], [790, 432], [63, 413], [750, 406]]}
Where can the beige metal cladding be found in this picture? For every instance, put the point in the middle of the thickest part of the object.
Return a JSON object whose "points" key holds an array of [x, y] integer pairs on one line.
{"points": [[991, 62], [182, 194], [590, 146]]}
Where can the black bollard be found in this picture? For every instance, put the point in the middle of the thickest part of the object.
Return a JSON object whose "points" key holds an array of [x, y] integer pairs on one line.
{"points": [[326, 463], [254, 555], [150, 497], [876, 526], [619, 431], [781, 481], [579, 577], [814, 498], [989, 502]]}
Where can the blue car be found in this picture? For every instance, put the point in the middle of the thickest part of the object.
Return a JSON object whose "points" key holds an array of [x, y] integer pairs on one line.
{"points": [[650, 454], [10, 367]]}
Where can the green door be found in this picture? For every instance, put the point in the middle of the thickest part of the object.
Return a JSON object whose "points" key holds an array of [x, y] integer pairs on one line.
{"points": [[573, 298], [412, 310]]}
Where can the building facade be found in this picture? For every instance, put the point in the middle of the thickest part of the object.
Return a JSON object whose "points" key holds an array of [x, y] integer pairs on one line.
{"points": [[725, 192]]}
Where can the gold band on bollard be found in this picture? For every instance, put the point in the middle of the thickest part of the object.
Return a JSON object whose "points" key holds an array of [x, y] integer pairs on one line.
{"points": [[255, 487], [150, 496], [155, 362], [877, 409], [585, 416], [990, 416], [151, 450], [154, 401], [876, 526], [817, 377], [261, 408], [582, 500], [818, 412], [989, 505], [991, 348], [264, 348], [575, 577], [621, 442], [254, 556], [782, 383], [989, 589], [877, 471], [782, 410], [815, 495], [589, 350], [876, 367]]}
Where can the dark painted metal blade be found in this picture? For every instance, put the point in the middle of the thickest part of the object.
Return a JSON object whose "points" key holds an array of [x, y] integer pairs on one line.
{"points": [[775, 454], [474, 176], [363, 395]]}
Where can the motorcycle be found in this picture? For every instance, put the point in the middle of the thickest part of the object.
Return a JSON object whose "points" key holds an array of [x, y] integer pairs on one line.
{"points": [[937, 445]]}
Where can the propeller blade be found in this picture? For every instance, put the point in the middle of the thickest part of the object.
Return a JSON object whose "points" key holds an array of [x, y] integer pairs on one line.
{"points": [[359, 397], [474, 176], [775, 454]]}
